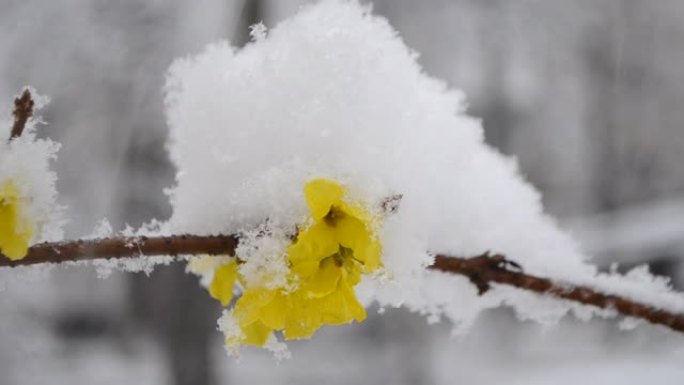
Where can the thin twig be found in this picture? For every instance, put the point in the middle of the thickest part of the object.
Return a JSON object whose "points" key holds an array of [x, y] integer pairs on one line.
{"points": [[124, 247], [23, 110], [481, 270]]}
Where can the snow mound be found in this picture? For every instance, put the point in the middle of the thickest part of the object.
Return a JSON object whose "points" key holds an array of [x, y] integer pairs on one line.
{"points": [[335, 93]]}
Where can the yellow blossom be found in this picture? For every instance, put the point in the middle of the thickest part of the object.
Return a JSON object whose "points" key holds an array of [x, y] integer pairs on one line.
{"points": [[15, 230], [307, 314], [340, 230], [326, 261], [259, 312]]}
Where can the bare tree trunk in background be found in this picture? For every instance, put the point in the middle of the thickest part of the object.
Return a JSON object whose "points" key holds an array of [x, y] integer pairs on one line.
{"points": [[602, 89], [171, 302], [618, 66], [184, 317], [404, 348]]}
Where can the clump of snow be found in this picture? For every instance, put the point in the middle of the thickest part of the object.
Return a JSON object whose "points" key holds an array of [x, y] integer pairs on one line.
{"points": [[103, 229], [26, 161], [279, 349], [630, 323], [228, 325], [258, 31], [262, 251], [335, 93]]}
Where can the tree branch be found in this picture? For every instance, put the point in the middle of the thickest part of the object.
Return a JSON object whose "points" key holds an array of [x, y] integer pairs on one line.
{"points": [[481, 270], [124, 247], [486, 269], [23, 110]]}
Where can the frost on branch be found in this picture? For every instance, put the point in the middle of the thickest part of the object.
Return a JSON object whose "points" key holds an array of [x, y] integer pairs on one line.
{"points": [[334, 93], [28, 210]]}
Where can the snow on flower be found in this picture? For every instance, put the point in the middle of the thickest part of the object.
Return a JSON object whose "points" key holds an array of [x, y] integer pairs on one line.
{"points": [[28, 209], [334, 94], [326, 260]]}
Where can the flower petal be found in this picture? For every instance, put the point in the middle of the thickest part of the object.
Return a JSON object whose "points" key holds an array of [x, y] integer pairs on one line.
{"points": [[370, 255], [222, 284], [256, 334], [352, 233], [248, 307], [15, 231], [325, 280], [303, 318], [273, 314], [341, 306], [351, 272], [356, 311], [312, 245], [333, 309], [321, 194]]}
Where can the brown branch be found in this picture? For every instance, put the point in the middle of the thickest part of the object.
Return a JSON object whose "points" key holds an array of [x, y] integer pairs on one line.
{"points": [[481, 270], [124, 247], [23, 110], [485, 269]]}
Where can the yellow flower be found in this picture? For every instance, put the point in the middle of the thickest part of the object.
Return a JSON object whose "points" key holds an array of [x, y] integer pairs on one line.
{"points": [[222, 284], [340, 231], [326, 261], [15, 230], [259, 312], [307, 314]]}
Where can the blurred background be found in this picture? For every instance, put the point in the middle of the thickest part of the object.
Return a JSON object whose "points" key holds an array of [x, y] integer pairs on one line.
{"points": [[587, 94]]}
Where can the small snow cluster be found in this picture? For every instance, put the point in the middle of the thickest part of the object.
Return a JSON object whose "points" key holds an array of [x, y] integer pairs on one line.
{"points": [[25, 163], [335, 93], [105, 267]]}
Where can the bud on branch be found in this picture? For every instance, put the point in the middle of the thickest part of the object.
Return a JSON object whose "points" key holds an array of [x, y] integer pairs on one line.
{"points": [[23, 110]]}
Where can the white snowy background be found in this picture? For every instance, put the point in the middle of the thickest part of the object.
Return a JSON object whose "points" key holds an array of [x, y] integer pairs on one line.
{"points": [[586, 95]]}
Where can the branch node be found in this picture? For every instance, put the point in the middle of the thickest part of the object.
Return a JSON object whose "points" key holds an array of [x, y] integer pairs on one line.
{"points": [[479, 269], [390, 205]]}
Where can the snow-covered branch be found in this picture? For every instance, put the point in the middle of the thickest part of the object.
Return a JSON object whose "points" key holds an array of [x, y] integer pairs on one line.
{"points": [[481, 270]]}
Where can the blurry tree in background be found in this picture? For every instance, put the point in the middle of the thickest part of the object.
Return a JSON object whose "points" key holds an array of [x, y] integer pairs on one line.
{"points": [[587, 95], [186, 334]]}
